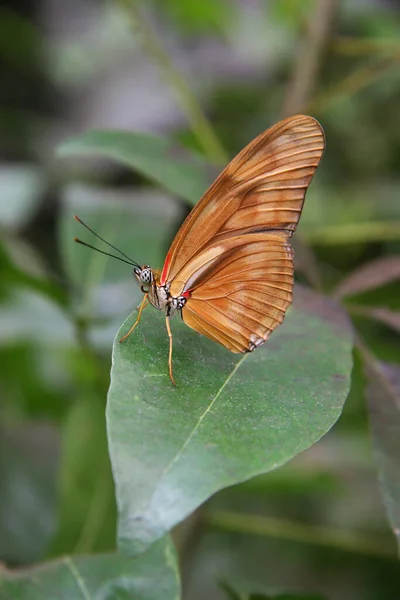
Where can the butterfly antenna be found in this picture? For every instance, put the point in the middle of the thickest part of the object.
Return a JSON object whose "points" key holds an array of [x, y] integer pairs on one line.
{"points": [[131, 262], [78, 241]]}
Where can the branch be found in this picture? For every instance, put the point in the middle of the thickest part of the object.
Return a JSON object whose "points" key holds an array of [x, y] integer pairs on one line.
{"points": [[322, 536], [309, 57], [197, 119]]}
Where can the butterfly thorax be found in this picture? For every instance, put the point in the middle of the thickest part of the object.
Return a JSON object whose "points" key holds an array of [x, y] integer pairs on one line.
{"points": [[158, 295]]}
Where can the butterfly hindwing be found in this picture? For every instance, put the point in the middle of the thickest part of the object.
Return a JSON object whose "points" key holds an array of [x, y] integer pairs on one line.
{"points": [[243, 298]]}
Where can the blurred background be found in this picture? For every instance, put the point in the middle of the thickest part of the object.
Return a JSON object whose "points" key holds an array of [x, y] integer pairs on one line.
{"points": [[211, 75]]}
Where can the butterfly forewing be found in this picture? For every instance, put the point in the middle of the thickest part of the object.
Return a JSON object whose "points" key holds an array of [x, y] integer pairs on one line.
{"points": [[262, 189]]}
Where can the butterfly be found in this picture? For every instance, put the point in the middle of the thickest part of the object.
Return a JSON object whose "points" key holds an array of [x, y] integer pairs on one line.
{"points": [[229, 270]]}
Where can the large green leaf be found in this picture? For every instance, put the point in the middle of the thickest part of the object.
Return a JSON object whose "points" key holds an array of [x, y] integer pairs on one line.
{"points": [[151, 576], [383, 394], [228, 419], [162, 161]]}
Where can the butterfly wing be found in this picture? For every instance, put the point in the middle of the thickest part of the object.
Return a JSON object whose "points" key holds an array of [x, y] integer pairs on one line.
{"points": [[261, 190], [240, 296]]}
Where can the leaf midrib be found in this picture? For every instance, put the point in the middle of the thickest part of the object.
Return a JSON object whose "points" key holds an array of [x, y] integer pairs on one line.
{"points": [[78, 578], [169, 466]]}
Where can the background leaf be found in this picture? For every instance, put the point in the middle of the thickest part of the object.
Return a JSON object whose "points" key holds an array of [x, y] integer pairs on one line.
{"points": [[86, 506], [228, 419], [140, 223], [31, 315], [28, 465], [157, 158], [21, 188], [371, 275], [384, 402], [233, 594], [384, 315], [151, 576]]}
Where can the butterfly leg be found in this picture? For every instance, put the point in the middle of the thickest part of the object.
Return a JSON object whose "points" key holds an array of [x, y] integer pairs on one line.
{"points": [[170, 350], [143, 304]]}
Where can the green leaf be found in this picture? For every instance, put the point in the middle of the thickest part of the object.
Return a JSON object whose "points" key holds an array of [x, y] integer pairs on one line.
{"points": [[160, 160], [291, 13], [388, 317], [286, 597], [369, 276], [20, 264], [199, 17], [21, 188], [227, 420], [86, 504], [24, 56], [151, 576], [233, 594], [122, 218], [27, 315], [383, 394], [28, 466]]}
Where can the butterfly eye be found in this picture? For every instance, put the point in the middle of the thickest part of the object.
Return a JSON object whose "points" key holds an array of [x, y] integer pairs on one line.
{"points": [[146, 275]]}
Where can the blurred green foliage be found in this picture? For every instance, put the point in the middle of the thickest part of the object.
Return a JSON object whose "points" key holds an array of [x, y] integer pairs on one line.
{"points": [[60, 308]]}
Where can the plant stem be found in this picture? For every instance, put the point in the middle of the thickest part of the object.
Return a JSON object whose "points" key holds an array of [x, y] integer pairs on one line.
{"points": [[198, 121], [354, 46], [353, 233], [356, 81], [309, 58], [297, 532]]}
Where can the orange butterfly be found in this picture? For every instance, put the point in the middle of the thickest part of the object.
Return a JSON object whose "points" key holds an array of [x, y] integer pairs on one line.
{"points": [[229, 271]]}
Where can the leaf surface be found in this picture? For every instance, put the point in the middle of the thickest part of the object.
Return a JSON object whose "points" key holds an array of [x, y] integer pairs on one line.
{"points": [[28, 467], [233, 594], [228, 419], [151, 576], [86, 509], [383, 394], [160, 160], [370, 276], [21, 188], [389, 317]]}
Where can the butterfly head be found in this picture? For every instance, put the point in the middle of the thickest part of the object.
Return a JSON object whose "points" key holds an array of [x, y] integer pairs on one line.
{"points": [[145, 276]]}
